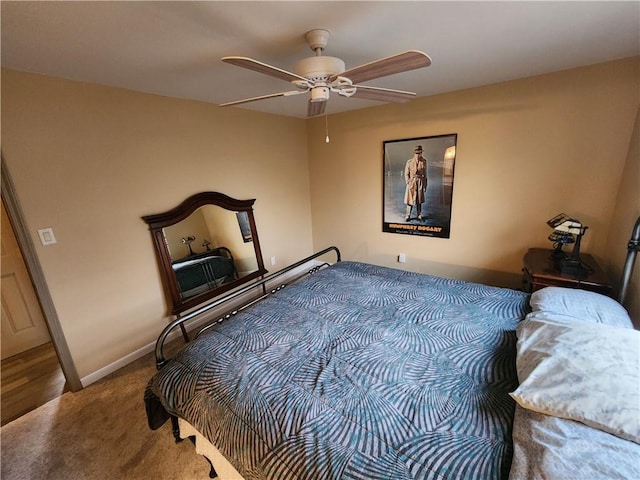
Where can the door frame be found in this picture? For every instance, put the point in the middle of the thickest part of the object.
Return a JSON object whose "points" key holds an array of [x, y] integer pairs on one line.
{"points": [[27, 248]]}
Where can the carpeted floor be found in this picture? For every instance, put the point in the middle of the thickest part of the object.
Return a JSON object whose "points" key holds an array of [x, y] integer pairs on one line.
{"points": [[101, 433]]}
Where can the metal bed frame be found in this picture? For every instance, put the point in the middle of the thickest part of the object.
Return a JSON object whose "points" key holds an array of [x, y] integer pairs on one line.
{"points": [[180, 322], [632, 250]]}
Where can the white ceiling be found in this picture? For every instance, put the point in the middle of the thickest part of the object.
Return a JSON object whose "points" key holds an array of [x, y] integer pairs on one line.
{"points": [[174, 48]]}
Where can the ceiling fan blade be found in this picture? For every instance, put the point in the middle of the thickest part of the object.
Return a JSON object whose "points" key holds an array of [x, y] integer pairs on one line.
{"points": [[316, 108], [382, 94], [401, 62], [264, 97], [261, 67]]}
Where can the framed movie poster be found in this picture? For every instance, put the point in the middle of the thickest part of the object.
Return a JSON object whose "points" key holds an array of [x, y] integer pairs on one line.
{"points": [[418, 185]]}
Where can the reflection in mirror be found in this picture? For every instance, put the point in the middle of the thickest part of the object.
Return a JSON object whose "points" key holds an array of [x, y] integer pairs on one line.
{"points": [[209, 249], [206, 246]]}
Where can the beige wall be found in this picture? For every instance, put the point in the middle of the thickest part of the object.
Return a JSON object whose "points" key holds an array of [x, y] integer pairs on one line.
{"points": [[89, 161], [527, 150]]}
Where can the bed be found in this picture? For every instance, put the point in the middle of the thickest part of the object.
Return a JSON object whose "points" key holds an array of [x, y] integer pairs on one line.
{"points": [[360, 371], [199, 273]]}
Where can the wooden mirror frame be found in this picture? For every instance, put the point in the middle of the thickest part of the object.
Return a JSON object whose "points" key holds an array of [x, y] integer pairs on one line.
{"points": [[158, 222]]}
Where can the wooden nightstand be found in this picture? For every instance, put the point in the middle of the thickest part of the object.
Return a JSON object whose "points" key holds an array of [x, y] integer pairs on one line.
{"points": [[541, 270]]}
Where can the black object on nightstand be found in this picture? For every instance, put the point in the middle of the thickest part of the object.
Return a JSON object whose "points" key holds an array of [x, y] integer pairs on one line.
{"points": [[541, 269]]}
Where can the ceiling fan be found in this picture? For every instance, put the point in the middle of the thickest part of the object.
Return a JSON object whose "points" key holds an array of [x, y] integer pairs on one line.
{"points": [[321, 75]]}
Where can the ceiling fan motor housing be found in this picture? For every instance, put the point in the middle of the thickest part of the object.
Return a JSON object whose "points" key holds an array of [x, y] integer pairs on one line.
{"points": [[319, 68]]}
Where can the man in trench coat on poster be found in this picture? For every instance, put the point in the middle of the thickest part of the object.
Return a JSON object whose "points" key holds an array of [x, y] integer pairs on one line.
{"points": [[415, 177]]}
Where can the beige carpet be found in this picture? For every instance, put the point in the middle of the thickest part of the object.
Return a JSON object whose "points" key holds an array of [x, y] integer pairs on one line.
{"points": [[101, 433]]}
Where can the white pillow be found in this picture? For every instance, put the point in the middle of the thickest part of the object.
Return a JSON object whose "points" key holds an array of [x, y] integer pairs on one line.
{"points": [[579, 304], [581, 371]]}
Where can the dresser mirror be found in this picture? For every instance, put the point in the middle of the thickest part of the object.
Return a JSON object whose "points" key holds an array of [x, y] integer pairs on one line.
{"points": [[207, 245]]}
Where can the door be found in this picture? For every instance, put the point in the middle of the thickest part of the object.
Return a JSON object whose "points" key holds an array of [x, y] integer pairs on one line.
{"points": [[23, 325]]}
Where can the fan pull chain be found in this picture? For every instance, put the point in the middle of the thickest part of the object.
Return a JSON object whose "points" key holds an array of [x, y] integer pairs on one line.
{"points": [[326, 127]]}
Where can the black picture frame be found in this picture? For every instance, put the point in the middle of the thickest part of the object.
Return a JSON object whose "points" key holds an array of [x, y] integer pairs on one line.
{"points": [[431, 217], [245, 230]]}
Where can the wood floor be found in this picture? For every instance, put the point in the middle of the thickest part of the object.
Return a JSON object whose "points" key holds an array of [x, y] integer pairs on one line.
{"points": [[29, 380]]}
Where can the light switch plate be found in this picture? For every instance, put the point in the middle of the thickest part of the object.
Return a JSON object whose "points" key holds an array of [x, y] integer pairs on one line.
{"points": [[46, 236]]}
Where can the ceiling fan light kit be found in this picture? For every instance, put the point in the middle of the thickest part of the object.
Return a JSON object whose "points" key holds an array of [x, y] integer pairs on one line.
{"points": [[319, 94], [322, 74]]}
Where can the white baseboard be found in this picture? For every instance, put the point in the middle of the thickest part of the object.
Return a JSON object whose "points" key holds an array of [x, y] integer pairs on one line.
{"points": [[140, 352], [118, 364]]}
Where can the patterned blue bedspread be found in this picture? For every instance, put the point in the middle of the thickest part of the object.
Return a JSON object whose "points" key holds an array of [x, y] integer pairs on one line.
{"points": [[356, 372]]}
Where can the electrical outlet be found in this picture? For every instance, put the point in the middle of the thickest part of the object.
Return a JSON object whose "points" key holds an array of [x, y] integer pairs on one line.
{"points": [[402, 258], [273, 261]]}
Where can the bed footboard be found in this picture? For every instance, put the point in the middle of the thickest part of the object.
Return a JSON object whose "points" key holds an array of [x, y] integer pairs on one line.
{"points": [[260, 284]]}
